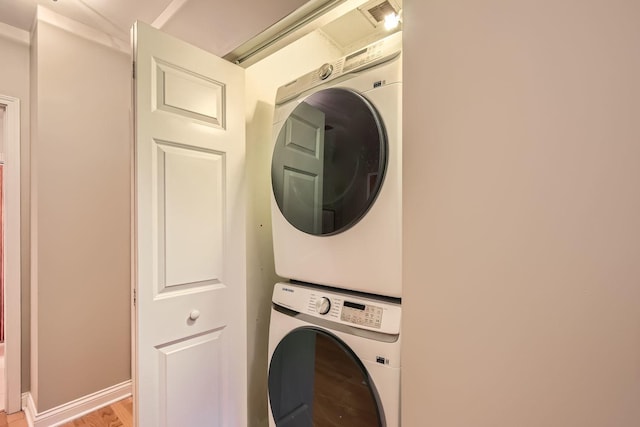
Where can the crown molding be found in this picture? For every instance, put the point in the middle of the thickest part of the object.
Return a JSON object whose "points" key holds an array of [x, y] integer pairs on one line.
{"points": [[81, 30], [14, 34]]}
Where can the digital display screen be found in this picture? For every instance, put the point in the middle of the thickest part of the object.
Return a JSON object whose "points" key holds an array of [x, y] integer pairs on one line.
{"points": [[353, 55], [354, 305]]}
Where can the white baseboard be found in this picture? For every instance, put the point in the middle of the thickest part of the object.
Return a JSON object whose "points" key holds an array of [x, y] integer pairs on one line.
{"points": [[29, 408], [25, 397], [75, 409]]}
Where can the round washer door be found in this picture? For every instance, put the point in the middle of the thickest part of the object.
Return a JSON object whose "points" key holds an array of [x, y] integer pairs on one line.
{"points": [[315, 379], [329, 161]]}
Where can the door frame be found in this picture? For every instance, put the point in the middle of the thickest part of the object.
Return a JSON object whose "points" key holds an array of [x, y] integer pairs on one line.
{"points": [[12, 254]]}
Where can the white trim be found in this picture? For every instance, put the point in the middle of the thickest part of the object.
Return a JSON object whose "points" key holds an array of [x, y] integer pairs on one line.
{"points": [[12, 251], [14, 34], [25, 400], [81, 30], [98, 16], [134, 308], [29, 408], [75, 409], [168, 13]]}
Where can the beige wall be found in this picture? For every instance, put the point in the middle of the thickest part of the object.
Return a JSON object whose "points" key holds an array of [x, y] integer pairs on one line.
{"points": [[522, 214], [263, 79], [80, 221], [14, 81]]}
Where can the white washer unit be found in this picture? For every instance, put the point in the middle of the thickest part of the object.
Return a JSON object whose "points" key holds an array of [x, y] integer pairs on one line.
{"points": [[334, 358], [336, 173]]}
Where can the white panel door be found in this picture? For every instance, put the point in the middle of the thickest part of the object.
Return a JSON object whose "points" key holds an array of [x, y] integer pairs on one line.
{"points": [[189, 228], [299, 161]]}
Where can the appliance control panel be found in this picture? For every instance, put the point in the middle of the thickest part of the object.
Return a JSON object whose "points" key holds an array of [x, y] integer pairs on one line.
{"points": [[361, 314], [359, 311], [369, 56]]}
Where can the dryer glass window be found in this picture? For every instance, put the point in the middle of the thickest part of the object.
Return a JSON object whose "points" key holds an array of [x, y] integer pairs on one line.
{"points": [[329, 161], [316, 380]]}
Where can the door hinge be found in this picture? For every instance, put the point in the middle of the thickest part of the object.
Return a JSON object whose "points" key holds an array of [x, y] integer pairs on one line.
{"points": [[134, 297], [133, 67]]}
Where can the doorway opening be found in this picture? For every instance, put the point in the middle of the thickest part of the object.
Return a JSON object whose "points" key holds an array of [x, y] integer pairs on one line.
{"points": [[10, 247], [3, 382]]}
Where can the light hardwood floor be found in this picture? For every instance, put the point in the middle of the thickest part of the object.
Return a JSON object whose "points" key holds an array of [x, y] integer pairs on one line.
{"points": [[13, 420], [119, 414]]}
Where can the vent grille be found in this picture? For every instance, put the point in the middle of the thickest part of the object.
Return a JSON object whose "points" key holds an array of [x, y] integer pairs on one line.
{"points": [[379, 11]]}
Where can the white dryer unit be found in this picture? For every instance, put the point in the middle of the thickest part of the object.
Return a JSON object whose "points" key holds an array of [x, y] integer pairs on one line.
{"points": [[336, 173], [334, 359]]}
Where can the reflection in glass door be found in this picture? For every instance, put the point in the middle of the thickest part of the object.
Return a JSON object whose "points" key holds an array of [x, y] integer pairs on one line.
{"points": [[329, 161], [316, 380]]}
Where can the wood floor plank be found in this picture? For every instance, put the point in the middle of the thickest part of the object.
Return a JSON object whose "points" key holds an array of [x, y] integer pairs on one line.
{"points": [[13, 420], [118, 414], [124, 411]]}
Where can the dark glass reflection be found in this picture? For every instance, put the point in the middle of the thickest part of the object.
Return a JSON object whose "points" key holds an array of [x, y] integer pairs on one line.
{"points": [[315, 380], [329, 161]]}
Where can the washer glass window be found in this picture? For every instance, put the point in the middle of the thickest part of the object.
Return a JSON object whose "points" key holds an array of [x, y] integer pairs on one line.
{"points": [[316, 380], [329, 161]]}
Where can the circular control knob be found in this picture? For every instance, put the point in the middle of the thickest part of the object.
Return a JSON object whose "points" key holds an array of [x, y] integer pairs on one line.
{"points": [[323, 305], [325, 71]]}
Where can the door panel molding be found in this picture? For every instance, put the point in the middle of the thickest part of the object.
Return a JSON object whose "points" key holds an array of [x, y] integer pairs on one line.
{"points": [[176, 85]]}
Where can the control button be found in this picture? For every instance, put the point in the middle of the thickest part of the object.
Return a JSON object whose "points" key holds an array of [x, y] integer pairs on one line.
{"points": [[325, 71], [323, 305]]}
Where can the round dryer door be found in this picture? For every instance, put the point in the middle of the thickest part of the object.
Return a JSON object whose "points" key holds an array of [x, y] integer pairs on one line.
{"points": [[316, 380], [329, 161]]}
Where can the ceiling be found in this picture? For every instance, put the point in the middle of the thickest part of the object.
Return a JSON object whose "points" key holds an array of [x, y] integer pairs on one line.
{"points": [[217, 26]]}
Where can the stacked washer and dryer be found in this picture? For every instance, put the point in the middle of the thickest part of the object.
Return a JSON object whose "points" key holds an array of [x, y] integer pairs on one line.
{"points": [[334, 340]]}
